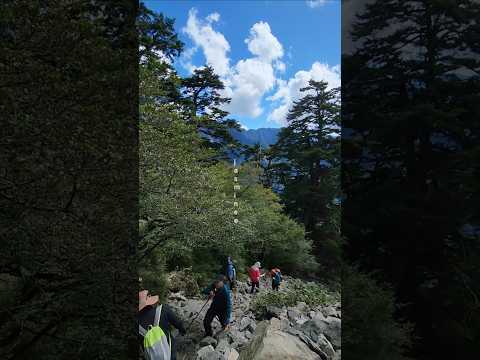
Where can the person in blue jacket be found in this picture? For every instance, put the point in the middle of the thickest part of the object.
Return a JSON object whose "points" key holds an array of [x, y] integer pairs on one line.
{"points": [[221, 306], [231, 274]]}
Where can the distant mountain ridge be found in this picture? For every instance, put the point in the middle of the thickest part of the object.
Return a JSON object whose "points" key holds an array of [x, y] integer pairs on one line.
{"points": [[264, 136]]}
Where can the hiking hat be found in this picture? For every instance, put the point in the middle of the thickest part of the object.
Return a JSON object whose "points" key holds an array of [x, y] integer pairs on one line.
{"points": [[145, 300]]}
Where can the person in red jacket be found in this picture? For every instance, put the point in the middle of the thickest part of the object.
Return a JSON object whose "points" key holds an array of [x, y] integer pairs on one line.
{"points": [[254, 274]]}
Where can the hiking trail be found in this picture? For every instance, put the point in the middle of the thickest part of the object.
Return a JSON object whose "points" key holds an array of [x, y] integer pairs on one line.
{"points": [[296, 332]]}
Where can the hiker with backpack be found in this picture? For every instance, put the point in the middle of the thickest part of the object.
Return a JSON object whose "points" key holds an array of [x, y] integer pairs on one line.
{"points": [[231, 274], [276, 275], [154, 323], [255, 275], [221, 307]]}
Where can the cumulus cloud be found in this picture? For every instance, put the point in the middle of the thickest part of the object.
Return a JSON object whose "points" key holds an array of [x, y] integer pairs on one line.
{"points": [[263, 43], [250, 79], [288, 91], [316, 3], [213, 44]]}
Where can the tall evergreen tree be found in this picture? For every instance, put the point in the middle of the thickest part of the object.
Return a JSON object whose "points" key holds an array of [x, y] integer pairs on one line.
{"points": [[156, 35], [203, 101], [410, 100], [306, 164]]}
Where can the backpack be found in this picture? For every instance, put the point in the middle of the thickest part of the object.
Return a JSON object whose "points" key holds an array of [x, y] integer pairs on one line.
{"points": [[155, 342], [278, 277], [231, 271]]}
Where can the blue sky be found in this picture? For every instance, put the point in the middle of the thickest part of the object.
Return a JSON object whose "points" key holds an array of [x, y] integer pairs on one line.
{"points": [[264, 51]]}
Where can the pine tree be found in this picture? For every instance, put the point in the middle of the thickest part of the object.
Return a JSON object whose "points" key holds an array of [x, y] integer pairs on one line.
{"points": [[409, 100], [203, 101], [306, 160]]}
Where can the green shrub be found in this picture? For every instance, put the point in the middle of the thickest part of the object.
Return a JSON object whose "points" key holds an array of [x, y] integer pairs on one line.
{"points": [[312, 294], [370, 329]]}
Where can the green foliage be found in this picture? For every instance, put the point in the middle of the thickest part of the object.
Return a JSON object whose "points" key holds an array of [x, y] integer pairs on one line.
{"points": [[156, 34], [370, 328], [202, 102], [186, 191], [409, 165], [68, 186], [305, 160], [312, 294]]}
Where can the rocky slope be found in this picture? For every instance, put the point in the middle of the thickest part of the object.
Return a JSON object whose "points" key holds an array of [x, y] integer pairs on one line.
{"points": [[284, 333]]}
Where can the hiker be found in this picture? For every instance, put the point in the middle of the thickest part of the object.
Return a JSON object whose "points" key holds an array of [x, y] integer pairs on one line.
{"points": [[154, 322], [254, 274], [219, 293], [231, 274], [276, 275]]}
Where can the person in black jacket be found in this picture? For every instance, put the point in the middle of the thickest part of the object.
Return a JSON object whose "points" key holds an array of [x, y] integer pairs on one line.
{"points": [[221, 306], [146, 314]]}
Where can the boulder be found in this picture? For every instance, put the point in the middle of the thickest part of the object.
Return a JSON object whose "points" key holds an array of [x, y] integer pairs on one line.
{"points": [[333, 332], [247, 324], [322, 347], [208, 353], [293, 314], [330, 327], [232, 355], [237, 338], [296, 316], [208, 341], [331, 311], [270, 343]]}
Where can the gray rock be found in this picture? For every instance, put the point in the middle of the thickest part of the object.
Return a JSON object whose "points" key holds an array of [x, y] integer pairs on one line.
{"points": [[238, 338], [270, 343], [274, 311], [232, 355], [326, 346], [177, 297], [208, 341], [206, 353], [247, 324], [223, 346], [331, 311], [330, 327], [293, 315], [311, 344], [302, 307]]}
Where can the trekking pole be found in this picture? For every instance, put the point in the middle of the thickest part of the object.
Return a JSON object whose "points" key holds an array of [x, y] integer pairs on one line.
{"points": [[196, 316]]}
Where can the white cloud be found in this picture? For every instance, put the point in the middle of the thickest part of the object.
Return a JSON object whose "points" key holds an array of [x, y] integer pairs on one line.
{"points": [[289, 91], [263, 43], [316, 3], [213, 17], [250, 80], [214, 45]]}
